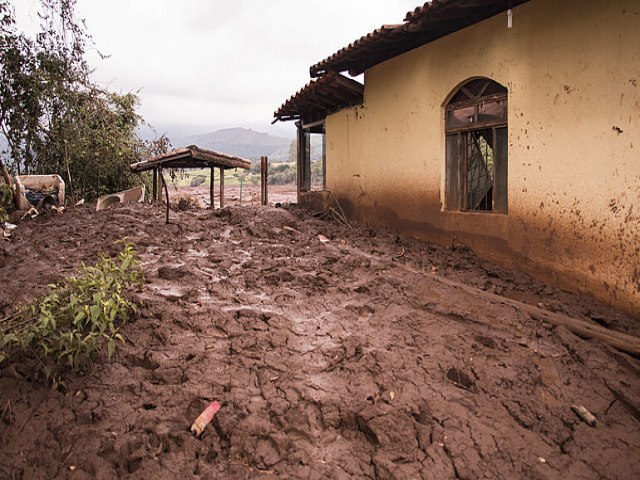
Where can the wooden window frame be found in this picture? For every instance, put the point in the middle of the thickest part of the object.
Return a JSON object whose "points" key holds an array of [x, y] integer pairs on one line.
{"points": [[456, 189]]}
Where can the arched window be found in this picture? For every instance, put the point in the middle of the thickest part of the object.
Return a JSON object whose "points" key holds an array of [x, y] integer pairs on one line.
{"points": [[476, 147]]}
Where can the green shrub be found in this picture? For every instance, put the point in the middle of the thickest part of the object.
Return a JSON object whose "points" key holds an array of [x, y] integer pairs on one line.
{"points": [[68, 327]]}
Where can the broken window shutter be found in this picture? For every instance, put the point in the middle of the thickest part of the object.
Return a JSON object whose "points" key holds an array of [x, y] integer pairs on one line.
{"points": [[452, 189]]}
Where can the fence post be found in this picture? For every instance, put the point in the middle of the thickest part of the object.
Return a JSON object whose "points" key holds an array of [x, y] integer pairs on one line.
{"points": [[211, 188], [264, 180], [154, 191], [221, 187]]}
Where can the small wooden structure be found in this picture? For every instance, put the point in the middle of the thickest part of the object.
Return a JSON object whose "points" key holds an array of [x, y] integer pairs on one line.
{"points": [[191, 157]]}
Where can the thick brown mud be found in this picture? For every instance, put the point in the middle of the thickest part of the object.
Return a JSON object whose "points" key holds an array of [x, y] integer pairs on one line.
{"points": [[334, 352]]}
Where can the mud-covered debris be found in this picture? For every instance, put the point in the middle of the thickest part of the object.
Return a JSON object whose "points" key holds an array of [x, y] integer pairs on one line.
{"points": [[171, 273], [205, 418], [173, 293], [460, 379], [7, 229], [290, 229], [584, 414], [323, 239]]}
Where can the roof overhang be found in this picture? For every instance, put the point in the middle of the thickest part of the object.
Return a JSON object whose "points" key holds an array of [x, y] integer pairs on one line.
{"points": [[192, 157], [321, 97], [425, 24]]}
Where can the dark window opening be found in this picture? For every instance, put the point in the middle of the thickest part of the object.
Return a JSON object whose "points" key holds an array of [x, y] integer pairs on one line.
{"points": [[476, 148]]}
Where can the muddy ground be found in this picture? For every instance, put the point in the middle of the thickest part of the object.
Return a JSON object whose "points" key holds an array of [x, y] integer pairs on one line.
{"points": [[249, 196], [335, 353]]}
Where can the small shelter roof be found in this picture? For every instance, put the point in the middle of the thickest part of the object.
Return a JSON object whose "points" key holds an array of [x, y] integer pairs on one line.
{"points": [[192, 157], [425, 24], [321, 97]]}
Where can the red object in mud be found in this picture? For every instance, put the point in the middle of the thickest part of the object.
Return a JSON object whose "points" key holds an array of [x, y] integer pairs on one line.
{"points": [[205, 418]]}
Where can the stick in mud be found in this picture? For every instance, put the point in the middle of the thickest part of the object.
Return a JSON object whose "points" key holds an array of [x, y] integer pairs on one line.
{"points": [[585, 415]]}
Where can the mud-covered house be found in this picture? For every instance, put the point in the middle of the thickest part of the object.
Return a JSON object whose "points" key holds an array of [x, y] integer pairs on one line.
{"points": [[509, 126]]}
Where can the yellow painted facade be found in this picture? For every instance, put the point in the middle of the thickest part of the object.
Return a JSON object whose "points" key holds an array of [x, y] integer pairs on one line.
{"points": [[572, 70]]}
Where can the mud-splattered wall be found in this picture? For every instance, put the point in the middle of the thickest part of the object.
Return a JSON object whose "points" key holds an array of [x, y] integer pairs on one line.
{"points": [[573, 75]]}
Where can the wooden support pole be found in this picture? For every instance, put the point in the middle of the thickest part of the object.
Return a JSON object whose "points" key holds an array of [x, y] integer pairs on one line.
{"points": [[211, 191], [166, 192], [264, 180], [154, 194], [221, 187]]}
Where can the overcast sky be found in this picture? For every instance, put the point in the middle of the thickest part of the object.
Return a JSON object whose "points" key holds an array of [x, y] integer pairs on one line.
{"points": [[201, 65]]}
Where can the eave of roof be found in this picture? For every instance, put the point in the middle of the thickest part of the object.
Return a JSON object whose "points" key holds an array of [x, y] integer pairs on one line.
{"points": [[425, 24], [192, 157], [319, 98]]}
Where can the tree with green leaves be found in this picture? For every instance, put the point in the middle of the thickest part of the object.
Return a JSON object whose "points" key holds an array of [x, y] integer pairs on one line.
{"points": [[54, 117]]}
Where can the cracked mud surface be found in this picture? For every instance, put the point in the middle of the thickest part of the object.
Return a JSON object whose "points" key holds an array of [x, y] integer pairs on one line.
{"points": [[343, 358]]}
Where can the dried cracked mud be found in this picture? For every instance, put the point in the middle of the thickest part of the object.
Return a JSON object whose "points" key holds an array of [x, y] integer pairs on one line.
{"points": [[335, 353]]}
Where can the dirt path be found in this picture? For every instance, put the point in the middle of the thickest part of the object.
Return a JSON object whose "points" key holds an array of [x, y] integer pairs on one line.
{"points": [[331, 358]]}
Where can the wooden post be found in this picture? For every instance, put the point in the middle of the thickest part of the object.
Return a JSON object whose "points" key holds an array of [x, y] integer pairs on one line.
{"points": [[264, 180], [261, 180], [154, 193], [221, 187], [211, 183], [166, 192]]}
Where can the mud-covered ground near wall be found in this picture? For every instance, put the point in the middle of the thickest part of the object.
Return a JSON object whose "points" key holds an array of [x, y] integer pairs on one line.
{"points": [[335, 353]]}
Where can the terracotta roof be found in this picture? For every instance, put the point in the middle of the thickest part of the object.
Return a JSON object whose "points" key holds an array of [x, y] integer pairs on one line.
{"points": [[192, 157], [321, 97], [425, 24]]}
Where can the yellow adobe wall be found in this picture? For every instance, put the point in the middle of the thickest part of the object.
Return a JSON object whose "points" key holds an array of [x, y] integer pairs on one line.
{"points": [[573, 75]]}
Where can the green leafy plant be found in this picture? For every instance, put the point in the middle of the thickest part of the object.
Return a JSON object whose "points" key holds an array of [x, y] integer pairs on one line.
{"points": [[68, 327], [6, 194]]}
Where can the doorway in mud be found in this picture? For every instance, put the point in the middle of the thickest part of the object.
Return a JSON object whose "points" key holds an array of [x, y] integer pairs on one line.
{"points": [[476, 147]]}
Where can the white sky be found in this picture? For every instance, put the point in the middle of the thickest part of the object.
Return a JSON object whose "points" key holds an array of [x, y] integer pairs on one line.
{"points": [[201, 65]]}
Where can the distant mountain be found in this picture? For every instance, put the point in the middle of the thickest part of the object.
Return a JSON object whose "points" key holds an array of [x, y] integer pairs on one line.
{"points": [[241, 142]]}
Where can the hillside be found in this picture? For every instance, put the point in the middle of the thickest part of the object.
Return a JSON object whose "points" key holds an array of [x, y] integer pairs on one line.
{"points": [[242, 142]]}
